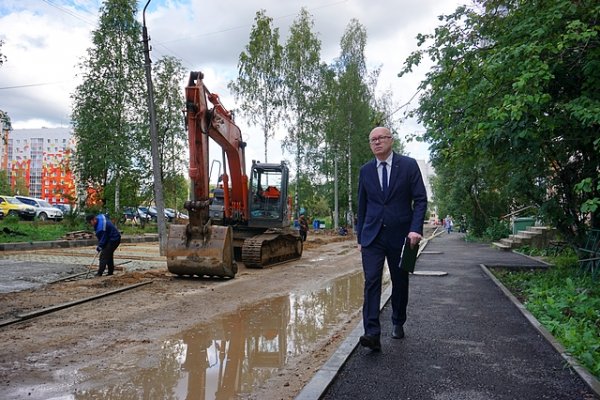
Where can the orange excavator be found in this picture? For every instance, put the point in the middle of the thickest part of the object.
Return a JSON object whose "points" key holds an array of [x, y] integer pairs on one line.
{"points": [[254, 227]]}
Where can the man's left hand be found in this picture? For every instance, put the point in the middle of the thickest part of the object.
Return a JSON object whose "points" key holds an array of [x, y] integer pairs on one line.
{"points": [[414, 238], [98, 249]]}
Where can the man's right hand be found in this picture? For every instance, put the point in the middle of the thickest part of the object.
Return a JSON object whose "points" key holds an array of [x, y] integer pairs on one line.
{"points": [[98, 249]]}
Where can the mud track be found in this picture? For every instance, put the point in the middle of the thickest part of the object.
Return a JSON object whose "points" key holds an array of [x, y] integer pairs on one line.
{"points": [[76, 350]]}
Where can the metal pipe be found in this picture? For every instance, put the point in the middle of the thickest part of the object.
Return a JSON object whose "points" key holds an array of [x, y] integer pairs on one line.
{"points": [[51, 309]]}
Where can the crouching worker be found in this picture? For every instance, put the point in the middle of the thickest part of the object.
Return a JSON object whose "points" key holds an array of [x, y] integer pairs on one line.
{"points": [[109, 239]]}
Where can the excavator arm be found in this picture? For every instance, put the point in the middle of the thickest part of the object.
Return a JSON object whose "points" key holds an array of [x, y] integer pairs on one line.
{"points": [[217, 123], [200, 248]]}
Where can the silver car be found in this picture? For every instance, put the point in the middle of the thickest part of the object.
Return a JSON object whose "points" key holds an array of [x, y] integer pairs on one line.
{"points": [[43, 209]]}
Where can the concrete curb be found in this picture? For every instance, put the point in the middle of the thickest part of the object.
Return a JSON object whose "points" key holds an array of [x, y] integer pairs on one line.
{"points": [[588, 378]]}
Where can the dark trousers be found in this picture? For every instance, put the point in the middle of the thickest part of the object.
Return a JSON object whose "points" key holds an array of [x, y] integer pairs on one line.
{"points": [[107, 257], [387, 245], [303, 235]]}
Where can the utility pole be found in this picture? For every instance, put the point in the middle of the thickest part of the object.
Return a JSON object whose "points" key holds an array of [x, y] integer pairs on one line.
{"points": [[158, 188], [5, 133], [6, 127]]}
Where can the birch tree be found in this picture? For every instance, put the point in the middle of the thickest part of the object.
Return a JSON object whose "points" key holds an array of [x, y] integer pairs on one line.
{"points": [[259, 82], [108, 106], [302, 71]]}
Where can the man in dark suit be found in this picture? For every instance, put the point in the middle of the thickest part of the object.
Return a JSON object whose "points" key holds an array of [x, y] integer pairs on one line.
{"points": [[392, 201]]}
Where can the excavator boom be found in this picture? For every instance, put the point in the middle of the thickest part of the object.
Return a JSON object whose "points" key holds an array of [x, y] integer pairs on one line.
{"points": [[254, 226]]}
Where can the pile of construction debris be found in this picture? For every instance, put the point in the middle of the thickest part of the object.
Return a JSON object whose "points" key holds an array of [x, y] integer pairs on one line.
{"points": [[78, 235]]}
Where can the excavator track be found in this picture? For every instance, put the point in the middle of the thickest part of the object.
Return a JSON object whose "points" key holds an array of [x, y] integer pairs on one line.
{"points": [[271, 248]]}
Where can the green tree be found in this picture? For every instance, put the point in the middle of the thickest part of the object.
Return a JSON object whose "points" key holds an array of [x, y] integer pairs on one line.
{"points": [[5, 183], [512, 102], [169, 101], [354, 112], [21, 186], [349, 109], [2, 56], [259, 83], [176, 189], [108, 107], [5, 125], [302, 71]]}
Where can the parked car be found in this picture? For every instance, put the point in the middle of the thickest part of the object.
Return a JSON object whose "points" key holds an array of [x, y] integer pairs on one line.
{"points": [[152, 212], [12, 206], [65, 208], [1, 214], [144, 213], [173, 214], [131, 215], [170, 214], [43, 209]]}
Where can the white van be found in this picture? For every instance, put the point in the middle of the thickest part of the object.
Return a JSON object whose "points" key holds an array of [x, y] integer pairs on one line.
{"points": [[43, 209]]}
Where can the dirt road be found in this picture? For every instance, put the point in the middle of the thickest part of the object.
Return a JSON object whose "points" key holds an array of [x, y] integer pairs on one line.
{"points": [[176, 338]]}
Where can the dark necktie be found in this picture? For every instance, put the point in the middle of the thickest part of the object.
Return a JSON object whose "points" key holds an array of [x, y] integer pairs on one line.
{"points": [[384, 178]]}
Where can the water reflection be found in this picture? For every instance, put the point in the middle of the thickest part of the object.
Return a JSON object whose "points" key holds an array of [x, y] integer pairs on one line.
{"points": [[240, 351]]}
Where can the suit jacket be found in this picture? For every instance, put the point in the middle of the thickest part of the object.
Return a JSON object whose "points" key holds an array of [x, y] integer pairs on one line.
{"points": [[403, 208]]}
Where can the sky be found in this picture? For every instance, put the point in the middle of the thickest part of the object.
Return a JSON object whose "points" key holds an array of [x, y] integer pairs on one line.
{"points": [[45, 40]]}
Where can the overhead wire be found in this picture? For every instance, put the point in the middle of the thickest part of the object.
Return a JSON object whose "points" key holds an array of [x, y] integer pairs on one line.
{"points": [[69, 12], [32, 85]]}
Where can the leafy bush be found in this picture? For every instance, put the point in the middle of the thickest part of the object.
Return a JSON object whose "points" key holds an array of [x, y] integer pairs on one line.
{"points": [[497, 230], [12, 231], [566, 302], [75, 222]]}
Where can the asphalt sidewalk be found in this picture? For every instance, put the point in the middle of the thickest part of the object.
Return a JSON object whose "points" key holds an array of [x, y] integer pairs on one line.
{"points": [[466, 338]]}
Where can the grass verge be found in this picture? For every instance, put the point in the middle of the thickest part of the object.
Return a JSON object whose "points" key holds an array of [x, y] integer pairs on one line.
{"points": [[13, 230], [566, 302]]}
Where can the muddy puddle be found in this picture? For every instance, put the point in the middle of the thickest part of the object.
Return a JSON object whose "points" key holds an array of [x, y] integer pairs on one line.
{"points": [[237, 353]]}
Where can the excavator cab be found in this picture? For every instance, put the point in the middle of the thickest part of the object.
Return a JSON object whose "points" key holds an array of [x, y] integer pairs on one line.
{"points": [[268, 202]]}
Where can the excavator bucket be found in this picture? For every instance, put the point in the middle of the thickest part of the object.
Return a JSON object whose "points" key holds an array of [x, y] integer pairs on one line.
{"points": [[207, 252]]}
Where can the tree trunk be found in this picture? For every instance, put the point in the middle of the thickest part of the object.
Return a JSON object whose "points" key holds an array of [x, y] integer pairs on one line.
{"points": [[336, 212], [350, 214]]}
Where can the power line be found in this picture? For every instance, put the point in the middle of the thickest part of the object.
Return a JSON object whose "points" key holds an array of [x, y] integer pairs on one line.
{"points": [[32, 85], [69, 12], [246, 25]]}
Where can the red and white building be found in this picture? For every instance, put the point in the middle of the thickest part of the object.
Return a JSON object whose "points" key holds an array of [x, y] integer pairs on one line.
{"points": [[41, 159]]}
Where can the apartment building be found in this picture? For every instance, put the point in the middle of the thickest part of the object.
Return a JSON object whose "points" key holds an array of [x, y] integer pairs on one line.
{"points": [[40, 159]]}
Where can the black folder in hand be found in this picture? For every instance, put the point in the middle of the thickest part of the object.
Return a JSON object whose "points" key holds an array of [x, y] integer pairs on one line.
{"points": [[409, 256]]}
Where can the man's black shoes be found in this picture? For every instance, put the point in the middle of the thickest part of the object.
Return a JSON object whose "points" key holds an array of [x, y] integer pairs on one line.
{"points": [[398, 332], [372, 342]]}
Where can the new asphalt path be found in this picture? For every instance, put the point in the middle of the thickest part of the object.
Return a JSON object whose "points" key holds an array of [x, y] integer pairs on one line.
{"points": [[466, 338]]}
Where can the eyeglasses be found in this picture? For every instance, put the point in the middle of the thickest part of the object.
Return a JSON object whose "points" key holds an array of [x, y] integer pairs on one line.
{"points": [[379, 139]]}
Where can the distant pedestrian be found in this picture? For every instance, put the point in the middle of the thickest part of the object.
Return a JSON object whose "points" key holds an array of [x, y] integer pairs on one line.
{"points": [[448, 224], [392, 201], [109, 239], [303, 227], [316, 225]]}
